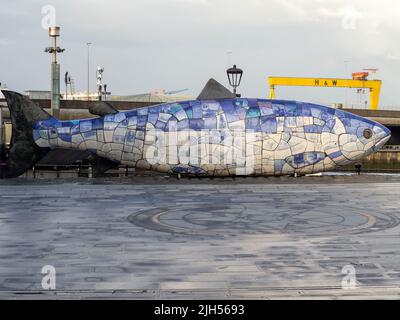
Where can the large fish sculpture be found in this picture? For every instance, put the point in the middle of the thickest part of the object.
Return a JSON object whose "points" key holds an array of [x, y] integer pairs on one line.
{"points": [[214, 137]]}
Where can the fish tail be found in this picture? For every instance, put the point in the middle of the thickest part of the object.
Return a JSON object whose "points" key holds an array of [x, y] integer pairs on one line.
{"points": [[24, 152]]}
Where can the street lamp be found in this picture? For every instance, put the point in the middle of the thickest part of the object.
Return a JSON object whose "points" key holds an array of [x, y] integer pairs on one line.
{"points": [[234, 77], [88, 44], [68, 81], [54, 32], [99, 75]]}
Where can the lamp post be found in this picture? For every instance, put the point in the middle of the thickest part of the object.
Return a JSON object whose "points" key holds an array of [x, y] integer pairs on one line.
{"points": [[88, 44], [99, 75], [67, 80], [346, 89], [234, 77], [54, 32]]}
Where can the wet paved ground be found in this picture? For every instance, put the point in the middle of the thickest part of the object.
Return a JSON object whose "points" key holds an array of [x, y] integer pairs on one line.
{"points": [[155, 237]]}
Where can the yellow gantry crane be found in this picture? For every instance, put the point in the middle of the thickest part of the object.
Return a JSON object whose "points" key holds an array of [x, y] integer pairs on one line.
{"points": [[359, 81]]}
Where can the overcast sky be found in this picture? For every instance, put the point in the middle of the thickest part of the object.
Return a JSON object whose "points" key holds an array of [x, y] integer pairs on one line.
{"points": [[176, 44]]}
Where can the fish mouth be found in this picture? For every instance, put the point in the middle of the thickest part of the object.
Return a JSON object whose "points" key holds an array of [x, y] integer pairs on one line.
{"points": [[383, 135], [382, 142]]}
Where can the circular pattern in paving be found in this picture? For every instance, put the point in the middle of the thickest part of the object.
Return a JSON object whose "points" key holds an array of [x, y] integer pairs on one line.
{"points": [[268, 218]]}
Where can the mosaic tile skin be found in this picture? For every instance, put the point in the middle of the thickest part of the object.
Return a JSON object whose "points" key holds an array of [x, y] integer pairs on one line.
{"points": [[222, 137]]}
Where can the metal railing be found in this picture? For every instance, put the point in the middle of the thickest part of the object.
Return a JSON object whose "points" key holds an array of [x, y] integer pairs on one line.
{"points": [[394, 147]]}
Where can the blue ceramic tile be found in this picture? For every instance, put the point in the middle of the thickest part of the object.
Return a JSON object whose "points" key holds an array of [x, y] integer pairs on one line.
{"points": [[291, 109], [241, 103], [196, 124], [141, 121], [110, 125], [312, 128], [228, 107], [299, 158], [53, 133], [183, 124], [340, 114], [97, 123], [75, 129], [189, 112], [209, 113], [118, 117], [252, 103], [210, 123], [315, 112], [152, 118], [109, 117], [197, 111], [142, 112], [253, 124], [241, 112], [290, 122], [253, 112], [279, 110], [268, 124], [160, 125], [130, 136], [65, 137], [133, 113], [89, 134], [305, 110], [172, 124], [330, 123], [118, 139], [335, 154], [279, 165], [175, 108], [85, 125]]}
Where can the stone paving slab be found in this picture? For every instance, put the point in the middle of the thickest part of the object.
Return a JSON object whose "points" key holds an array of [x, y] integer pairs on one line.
{"points": [[163, 238]]}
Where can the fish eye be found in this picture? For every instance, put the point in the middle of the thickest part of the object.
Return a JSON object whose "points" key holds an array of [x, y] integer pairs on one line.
{"points": [[367, 133]]}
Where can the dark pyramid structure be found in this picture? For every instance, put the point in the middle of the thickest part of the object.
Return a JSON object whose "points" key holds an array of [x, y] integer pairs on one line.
{"points": [[101, 108], [214, 90]]}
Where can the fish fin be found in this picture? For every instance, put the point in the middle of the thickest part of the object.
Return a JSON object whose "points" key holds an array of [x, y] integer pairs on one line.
{"points": [[101, 108], [214, 90]]}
